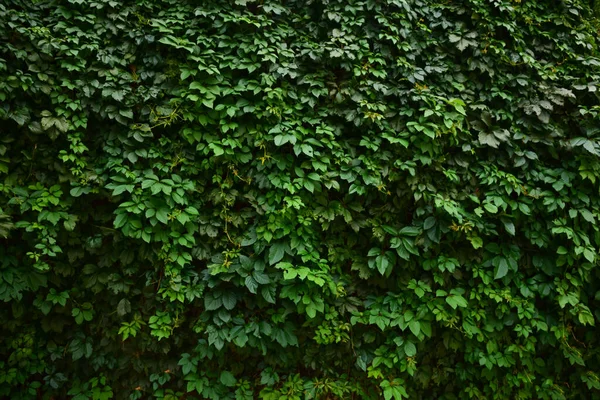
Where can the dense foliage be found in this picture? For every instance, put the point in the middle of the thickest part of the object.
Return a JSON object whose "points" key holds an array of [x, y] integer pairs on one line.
{"points": [[288, 199]]}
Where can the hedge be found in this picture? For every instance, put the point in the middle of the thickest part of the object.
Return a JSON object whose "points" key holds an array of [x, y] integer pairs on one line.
{"points": [[299, 199]]}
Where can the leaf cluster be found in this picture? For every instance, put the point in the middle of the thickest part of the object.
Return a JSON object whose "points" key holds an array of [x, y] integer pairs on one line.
{"points": [[323, 199]]}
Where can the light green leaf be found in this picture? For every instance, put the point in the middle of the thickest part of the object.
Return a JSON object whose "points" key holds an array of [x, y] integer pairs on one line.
{"points": [[120, 220], [410, 349], [162, 215]]}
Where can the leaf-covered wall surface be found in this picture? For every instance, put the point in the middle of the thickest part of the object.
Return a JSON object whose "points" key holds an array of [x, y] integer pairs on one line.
{"points": [[292, 199]]}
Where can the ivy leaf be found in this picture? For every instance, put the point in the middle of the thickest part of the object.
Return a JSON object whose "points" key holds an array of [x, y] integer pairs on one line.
{"points": [[123, 307], [410, 349], [488, 139], [429, 223], [491, 208], [501, 267], [251, 284], [456, 300], [162, 215], [61, 124], [307, 149], [227, 379], [261, 277], [268, 293], [229, 300], [509, 226], [476, 242], [77, 191], [70, 223], [126, 113], [276, 252], [382, 264], [587, 215], [212, 303], [415, 327], [120, 220]]}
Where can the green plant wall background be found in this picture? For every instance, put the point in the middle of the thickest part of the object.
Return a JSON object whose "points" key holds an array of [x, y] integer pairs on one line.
{"points": [[353, 199]]}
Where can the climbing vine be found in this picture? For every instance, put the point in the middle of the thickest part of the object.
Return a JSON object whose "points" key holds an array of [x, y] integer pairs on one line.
{"points": [[320, 199]]}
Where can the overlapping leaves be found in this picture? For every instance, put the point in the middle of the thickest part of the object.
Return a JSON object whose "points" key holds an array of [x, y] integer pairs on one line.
{"points": [[285, 200]]}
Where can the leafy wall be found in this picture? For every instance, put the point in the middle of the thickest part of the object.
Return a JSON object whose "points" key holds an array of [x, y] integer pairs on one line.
{"points": [[299, 199]]}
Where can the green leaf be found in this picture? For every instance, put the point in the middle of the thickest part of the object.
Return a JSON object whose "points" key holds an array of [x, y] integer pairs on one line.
{"points": [[501, 268], [76, 191], [212, 303], [589, 255], [261, 277], [126, 113], [251, 284], [409, 231], [489, 139], [307, 149], [229, 300], [524, 209], [490, 208], [70, 224], [227, 379], [276, 252], [410, 349], [382, 264], [588, 216], [561, 250], [268, 293], [509, 226], [120, 220], [455, 301], [429, 223], [123, 307], [162, 215], [415, 327], [476, 242]]}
